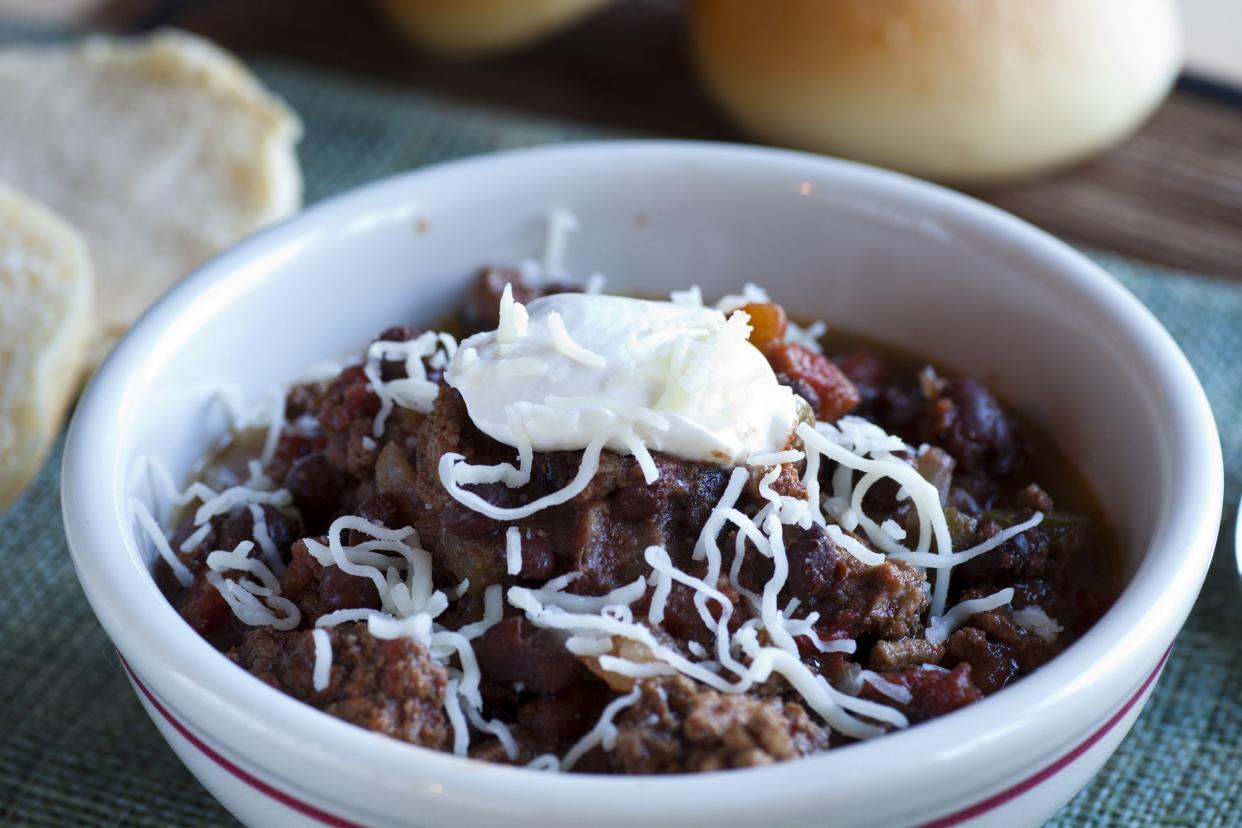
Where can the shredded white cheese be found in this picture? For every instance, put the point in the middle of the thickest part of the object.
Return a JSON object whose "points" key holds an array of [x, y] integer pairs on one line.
{"points": [[493, 611], [775, 458], [271, 555], [514, 320], [561, 223], [413, 391], [495, 727], [570, 349], [461, 729], [853, 546], [229, 499], [896, 692], [196, 537], [323, 659], [156, 535], [946, 561], [594, 284], [243, 599], [1034, 620], [513, 550], [939, 627]]}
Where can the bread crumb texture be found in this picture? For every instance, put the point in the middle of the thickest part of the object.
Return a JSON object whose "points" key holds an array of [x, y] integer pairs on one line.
{"points": [[46, 291]]}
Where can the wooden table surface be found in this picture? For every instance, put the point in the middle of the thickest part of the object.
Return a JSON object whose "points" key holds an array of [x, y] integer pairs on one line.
{"points": [[1172, 194]]}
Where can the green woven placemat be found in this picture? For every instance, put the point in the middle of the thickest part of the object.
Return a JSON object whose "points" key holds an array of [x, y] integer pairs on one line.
{"points": [[77, 749]]}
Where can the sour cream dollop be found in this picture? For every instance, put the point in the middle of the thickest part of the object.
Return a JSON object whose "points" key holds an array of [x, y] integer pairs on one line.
{"points": [[574, 367]]}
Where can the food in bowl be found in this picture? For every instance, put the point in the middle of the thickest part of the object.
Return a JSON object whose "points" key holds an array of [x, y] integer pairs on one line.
{"points": [[619, 535]]}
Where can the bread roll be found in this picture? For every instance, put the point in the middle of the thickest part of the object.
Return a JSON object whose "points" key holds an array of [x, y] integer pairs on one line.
{"points": [[474, 29], [161, 151], [45, 324], [965, 91]]}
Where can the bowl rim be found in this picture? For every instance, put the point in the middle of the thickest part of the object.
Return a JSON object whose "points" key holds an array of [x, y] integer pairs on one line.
{"points": [[1099, 670]]}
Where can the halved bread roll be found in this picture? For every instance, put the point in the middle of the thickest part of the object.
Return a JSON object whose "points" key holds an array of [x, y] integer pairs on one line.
{"points": [[963, 91], [46, 291], [161, 151]]}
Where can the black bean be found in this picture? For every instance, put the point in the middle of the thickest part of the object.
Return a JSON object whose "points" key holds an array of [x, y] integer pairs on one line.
{"points": [[866, 369], [282, 529], [316, 488], [510, 652], [816, 564], [397, 333], [238, 527], [499, 650], [548, 666], [340, 590], [976, 430], [464, 522], [538, 557], [187, 528], [383, 509], [636, 501]]}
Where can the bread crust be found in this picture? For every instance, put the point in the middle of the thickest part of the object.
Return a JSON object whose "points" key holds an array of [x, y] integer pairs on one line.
{"points": [[46, 292]]}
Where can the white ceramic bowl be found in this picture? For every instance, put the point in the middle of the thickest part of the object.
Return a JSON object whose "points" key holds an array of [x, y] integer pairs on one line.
{"points": [[907, 262]]}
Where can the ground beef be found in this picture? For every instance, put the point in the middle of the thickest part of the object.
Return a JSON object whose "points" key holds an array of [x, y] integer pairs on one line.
{"points": [[601, 534], [678, 726], [992, 664], [1027, 649], [393, 687], [933, 691], [331, 469], [890, 656], [884, 601]]}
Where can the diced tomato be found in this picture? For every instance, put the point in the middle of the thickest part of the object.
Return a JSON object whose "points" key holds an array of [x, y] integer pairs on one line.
{"points": [[837, 395]]}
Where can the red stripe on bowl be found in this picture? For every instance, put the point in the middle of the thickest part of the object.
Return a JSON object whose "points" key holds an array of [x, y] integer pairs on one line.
{"points": [[956, 818], [1044, 775], [288, 800]]}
